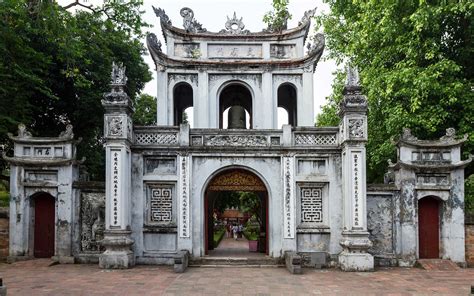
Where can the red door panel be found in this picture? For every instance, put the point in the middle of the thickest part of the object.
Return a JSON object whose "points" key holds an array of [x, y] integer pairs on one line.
{"points": [[44, 226], [428, 225]]}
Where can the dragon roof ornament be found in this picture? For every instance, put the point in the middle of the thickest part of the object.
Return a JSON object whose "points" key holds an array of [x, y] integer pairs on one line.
{"points": [[308, 15], [159, 12], [190, 24]]}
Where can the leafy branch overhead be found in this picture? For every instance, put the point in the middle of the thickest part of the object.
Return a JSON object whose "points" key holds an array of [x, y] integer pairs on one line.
{"points": [[277, 19], [415, 61], [56, 65]]}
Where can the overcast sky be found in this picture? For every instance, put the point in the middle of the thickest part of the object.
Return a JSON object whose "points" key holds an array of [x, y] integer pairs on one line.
{"points": [[212, 15]]}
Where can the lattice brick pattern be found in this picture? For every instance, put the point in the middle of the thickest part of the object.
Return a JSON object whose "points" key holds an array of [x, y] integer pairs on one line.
{"points": [[156, 138], [315, 139], [311, 205], [161, 205]]}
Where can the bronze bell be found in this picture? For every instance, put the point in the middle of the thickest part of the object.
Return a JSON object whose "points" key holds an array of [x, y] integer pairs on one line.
{"points": [[236, 117]]}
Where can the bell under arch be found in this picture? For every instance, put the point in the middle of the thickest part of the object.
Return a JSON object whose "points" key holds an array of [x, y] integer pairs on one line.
{"points": [[235, 94]]}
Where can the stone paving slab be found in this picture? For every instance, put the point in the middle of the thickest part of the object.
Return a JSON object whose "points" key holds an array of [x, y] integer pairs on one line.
{"points": [[36, 277]]}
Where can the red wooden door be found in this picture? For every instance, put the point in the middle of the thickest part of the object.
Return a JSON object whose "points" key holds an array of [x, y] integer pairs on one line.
{"points": [[428, 225], [44, 226]]}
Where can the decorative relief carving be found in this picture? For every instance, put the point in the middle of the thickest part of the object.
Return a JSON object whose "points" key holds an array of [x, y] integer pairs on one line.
{"points": [[160, 166], [161, 204], [240, 141], [432, 179], [189, 23], [316, 139], [35, 176], [234, 51], [92, 215], [236, 180], [380, 224], [288, 197], [356, 128], [187, 50], [115, 187], [311, 205], [282, 51], [196, 140], [143, 138], [115, 126], [184, 227]]}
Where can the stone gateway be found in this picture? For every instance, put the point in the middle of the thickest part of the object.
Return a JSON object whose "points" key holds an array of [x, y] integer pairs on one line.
{"points": [[162, 181]]}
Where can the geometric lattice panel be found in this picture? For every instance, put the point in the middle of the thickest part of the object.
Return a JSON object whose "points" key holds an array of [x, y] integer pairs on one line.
{"points": [[156, 138], [161, 204], [316, 139], [311, 205]]}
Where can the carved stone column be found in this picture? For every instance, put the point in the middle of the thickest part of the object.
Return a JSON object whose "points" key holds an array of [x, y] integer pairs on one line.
{"points": [[355, 238], [118, 136]]}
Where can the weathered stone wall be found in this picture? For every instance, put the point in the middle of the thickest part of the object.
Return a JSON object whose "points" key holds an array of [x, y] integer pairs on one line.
{"points": [[4, 226], [470, 241]]}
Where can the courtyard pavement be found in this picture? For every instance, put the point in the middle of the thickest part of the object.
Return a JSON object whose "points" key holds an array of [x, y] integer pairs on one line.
{"points": [[230, 247], [36, 277]]}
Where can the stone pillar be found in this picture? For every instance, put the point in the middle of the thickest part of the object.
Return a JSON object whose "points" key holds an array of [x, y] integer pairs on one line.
{"points": [[355, 238], [118, 131]]}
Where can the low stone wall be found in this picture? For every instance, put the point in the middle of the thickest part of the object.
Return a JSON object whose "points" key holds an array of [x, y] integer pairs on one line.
{"points": [[4, 226], [470, 241]]}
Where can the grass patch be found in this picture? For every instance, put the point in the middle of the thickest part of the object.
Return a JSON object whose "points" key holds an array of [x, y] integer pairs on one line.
{"points": [[218, 236]]}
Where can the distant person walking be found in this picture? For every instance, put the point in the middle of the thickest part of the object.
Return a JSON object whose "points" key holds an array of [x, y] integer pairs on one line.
{"points": [[235, 230]]}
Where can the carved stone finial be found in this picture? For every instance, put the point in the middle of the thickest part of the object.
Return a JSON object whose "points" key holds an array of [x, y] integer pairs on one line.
{"points": [[407, 135], [153, 42], [190, 24], [118, 77], [23, 132], [162, 15], [307, 16], [67, 134], [235, 26], [118, 81], [352, 79]]}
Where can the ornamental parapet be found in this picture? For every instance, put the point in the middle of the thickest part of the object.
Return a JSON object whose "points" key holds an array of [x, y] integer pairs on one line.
{"points": [[288, 137]]}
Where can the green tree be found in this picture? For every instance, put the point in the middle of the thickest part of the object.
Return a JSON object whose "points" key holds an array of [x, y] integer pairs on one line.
{"points": [[277, 19], [145, 110], [56, 65], [415, 62]]}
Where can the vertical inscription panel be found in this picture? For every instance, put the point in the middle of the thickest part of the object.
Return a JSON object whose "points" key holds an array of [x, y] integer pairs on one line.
{"points": [[357, 212], [183, 196], [115, 184], [288, 198]]}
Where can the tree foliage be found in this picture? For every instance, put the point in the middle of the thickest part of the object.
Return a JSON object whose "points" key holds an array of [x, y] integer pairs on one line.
{"points": [[145, 110], [415, 62], [277, 19], [56, 65]]}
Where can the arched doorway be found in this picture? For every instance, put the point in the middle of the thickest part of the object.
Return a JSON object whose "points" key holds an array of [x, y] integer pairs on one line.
{"points": [[44, 230], [236, 180], [428, 227], [183, 99], [287, 101]]}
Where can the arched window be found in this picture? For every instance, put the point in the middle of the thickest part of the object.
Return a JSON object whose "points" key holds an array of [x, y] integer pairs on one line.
{"points": [[183, 99], [287, 100], [235, 95]]}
